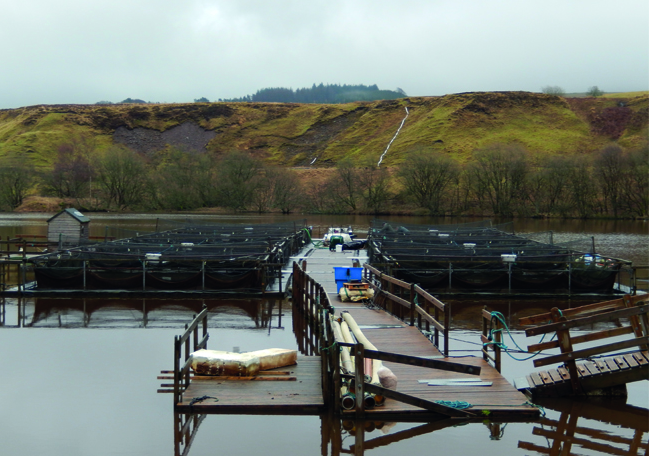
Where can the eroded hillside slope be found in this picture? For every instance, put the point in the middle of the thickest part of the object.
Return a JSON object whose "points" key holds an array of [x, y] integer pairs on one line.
{"points": [[304, 134]]}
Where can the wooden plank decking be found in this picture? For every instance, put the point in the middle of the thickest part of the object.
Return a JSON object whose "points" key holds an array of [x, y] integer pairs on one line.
{"points": [[389, 334], [299, 395], [304, 395], [605, 372]]}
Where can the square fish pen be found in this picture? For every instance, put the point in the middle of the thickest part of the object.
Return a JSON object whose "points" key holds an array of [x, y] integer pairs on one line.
{"points": [[479, 257], [193, 256]]}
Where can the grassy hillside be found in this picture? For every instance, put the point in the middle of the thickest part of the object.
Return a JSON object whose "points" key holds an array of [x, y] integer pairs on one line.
{"points": [[296, 134]]}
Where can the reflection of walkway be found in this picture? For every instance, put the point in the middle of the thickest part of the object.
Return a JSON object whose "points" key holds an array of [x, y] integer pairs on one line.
{"points": [[564, 434], [127, 312]]}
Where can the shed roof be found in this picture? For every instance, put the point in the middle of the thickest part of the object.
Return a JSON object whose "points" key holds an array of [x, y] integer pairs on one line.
{"points": [[74, 213]]}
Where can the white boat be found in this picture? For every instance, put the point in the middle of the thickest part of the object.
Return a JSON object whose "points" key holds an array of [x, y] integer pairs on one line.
{"points": [[345, 234]]}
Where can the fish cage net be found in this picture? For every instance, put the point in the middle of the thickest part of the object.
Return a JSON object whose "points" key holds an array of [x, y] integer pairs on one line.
{"points": [[482, 255], [191, 255]]}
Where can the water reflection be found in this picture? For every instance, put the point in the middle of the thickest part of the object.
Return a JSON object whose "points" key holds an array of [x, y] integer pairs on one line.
{"points": [[565, 434], [106, 313], [600, 428]]}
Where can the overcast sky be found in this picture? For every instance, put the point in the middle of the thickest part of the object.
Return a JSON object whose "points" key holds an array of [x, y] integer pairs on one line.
{"points": [[84, 51]]}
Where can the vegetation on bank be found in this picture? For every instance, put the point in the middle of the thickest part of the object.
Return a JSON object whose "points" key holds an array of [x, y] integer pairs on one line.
{"points": [[500, 179], [323, 158]]}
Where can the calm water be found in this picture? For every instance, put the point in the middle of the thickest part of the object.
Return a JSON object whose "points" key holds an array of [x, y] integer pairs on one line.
{"points": [[79, 376]]}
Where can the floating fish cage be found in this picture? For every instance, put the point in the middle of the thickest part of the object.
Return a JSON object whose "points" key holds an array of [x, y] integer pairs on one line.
{"points": [[188, 257], [480, 257]]}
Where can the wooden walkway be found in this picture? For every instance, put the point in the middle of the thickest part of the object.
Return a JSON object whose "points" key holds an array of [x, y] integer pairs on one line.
{"points": [[500, 400], [307, 387], [607, 372], [585, 371], [292, 390]]}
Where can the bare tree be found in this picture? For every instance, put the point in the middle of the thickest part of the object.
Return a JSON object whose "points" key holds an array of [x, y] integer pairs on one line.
{"points": [[581, 189], [497, 175], [287, 189], [634, 195], [594, 91], [236, 183], [547, 186], [426, 175], [553, 90], [180, 180], [122, 175], [609, 168], [72, 174], [344, 186], [16, 179], [374, 185]]}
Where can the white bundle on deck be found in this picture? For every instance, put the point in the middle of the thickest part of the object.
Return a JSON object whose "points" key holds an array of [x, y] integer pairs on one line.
{"points": [[215, 362]]}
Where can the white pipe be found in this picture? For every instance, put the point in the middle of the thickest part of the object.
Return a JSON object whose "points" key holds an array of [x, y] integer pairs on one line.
{"points": [[347, 363], [360, 337], [393, 138]]}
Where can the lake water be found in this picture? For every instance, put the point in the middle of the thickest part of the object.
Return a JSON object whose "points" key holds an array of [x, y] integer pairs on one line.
{"points": [[79, 375]]}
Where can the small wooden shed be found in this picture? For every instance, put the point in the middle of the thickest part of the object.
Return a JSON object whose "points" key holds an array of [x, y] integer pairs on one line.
{"points": [[68, 227]]}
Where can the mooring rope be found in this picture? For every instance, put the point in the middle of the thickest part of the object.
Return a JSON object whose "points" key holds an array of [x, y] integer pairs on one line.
{"points": [[459, 405], [497, 316], [393, 138]]}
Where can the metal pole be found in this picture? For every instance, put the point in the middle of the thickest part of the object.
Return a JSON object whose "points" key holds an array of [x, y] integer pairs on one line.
{"points": [[450, 273], [510, 277]]}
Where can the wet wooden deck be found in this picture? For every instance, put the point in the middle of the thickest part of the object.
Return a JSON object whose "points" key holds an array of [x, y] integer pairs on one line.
{"points": [[300, 390], [601, 373], [501, 400], [293, 390]]}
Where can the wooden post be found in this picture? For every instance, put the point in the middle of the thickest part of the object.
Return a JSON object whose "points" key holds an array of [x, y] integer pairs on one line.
{"points": [[485, 333], [498, 339], [435, 330], [447, 324], [565, 345], [359, 439], [177, 378], [412, 304], [335, 372], [359, 361]]}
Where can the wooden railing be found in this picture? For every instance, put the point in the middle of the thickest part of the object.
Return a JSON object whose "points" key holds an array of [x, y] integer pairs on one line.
{"points": [[491, 338], [311, 299], [633, 308], [412, 304], [184, 346]]}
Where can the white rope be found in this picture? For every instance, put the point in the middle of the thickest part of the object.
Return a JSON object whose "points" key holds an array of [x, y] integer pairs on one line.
{"points": [[395, 137]]}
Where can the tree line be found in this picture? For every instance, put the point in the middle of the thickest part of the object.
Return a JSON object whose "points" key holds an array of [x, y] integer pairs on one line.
{"points": [[329, 93], [500, 180]]}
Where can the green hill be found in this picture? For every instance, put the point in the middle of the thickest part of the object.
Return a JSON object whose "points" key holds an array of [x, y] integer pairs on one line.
{"points": [[294, 134]]}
